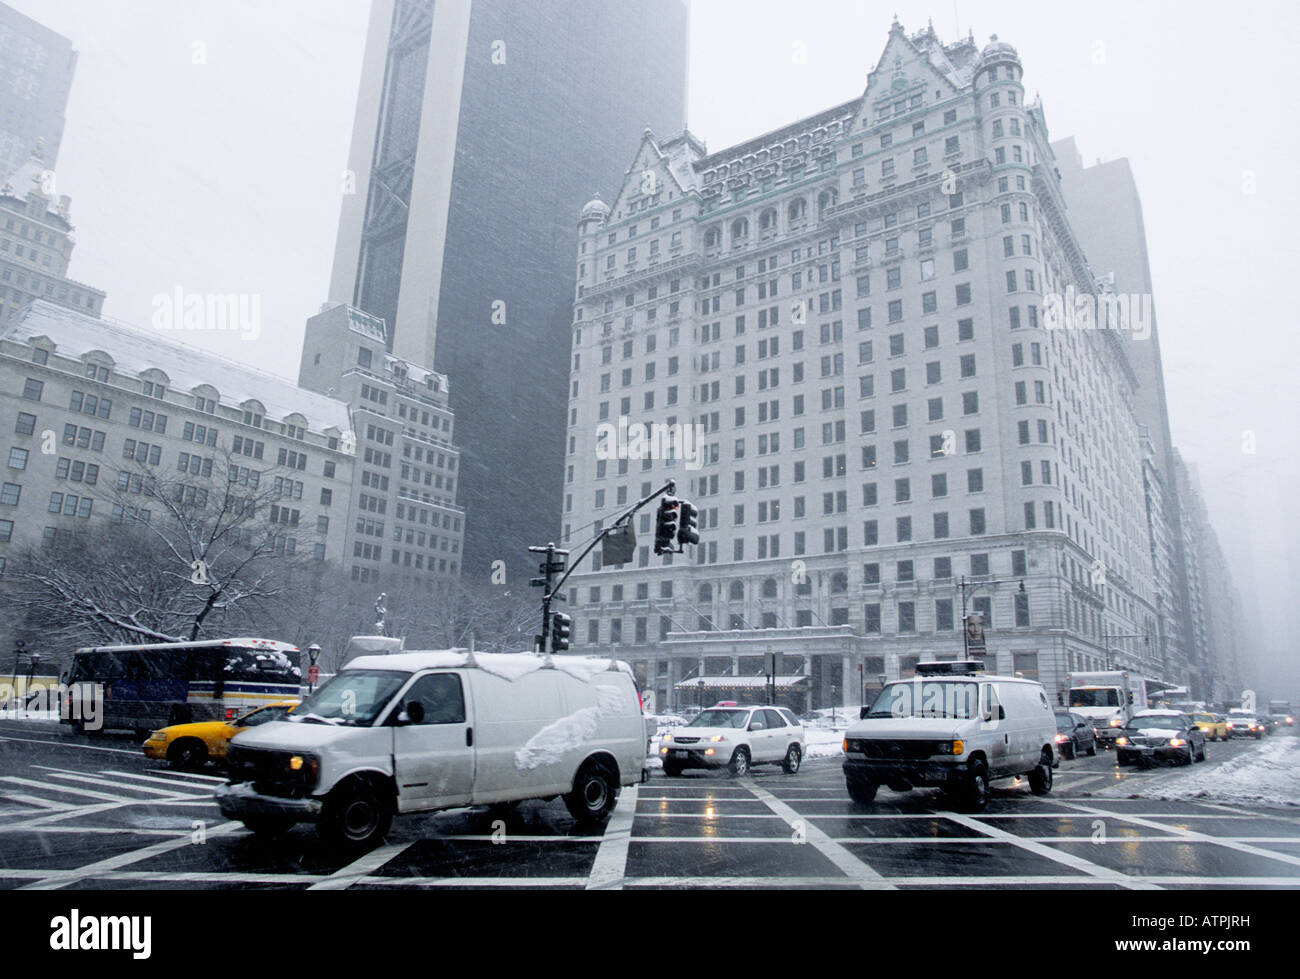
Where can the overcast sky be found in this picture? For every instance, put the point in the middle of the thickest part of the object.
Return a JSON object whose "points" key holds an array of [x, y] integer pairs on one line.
{"points": [[206, 141]]}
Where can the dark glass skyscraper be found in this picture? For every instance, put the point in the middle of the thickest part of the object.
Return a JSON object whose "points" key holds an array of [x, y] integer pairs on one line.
{"points": [[481, 130]]}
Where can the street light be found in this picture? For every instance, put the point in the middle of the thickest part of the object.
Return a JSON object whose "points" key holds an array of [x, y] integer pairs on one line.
{"points": [[19, 646], [700, 687]]}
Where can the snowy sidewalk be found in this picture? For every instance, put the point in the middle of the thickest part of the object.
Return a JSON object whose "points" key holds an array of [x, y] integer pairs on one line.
{"points": [[1268, 776]]}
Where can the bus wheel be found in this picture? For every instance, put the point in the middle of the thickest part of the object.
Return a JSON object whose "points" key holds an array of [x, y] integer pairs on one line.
{"points": [[188, 754]]}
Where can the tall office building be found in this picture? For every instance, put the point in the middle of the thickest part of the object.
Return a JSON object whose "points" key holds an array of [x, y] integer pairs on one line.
{"points": [[402, 519], [480, 130], [36, 68], [854, 310]]}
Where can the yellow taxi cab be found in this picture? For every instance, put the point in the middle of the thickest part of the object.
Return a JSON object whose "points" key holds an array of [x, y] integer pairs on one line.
{"points": [[191, 746], [1214, 727]]}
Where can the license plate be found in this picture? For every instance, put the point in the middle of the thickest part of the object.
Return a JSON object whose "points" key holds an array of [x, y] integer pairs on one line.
{"points": [[680, 754]]}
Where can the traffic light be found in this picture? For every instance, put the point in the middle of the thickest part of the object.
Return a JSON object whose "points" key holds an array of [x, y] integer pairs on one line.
{"points": [[666, 526], [561, 630], [688, 524]]}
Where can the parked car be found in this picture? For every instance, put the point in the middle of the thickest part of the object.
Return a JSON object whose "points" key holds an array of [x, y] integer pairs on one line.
{"points": [[1160, 735], [190, 747], [1213, 726], [953, 727], [1244, 725], [735, 738], [1074, 735], [423, 731]]}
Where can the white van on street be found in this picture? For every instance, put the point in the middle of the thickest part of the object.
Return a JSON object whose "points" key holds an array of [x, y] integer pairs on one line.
{"points": [[421, 731], [953, 727]]}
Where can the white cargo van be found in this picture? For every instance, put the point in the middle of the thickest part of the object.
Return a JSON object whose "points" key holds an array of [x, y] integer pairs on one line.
{"points": [[420, 731], [1108, 698], [954, 727]]}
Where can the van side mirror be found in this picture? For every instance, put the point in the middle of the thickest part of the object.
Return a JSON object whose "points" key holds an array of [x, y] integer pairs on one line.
{"points": [[411, 713]]}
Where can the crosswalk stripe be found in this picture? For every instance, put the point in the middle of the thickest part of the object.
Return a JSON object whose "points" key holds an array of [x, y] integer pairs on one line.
{"points": [[37, 801], [109, 783], [174, 783], [65, 789]]}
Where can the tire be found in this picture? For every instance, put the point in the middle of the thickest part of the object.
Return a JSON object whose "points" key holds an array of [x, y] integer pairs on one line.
{"points": [[860, 790], [975, 795], [1040, 779], [1092, 748], [187, 755], [1068, 751], [595, 793], [1200, 755], [793, 758], [354, 818], [672, 769], [268, 827], [739, 764]]}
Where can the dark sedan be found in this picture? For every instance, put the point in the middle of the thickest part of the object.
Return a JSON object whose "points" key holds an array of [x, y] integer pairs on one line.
{"points": [[1074, 735], [1160, 735]]}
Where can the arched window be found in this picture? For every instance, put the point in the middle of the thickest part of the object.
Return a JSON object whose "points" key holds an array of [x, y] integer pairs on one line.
{"points": [[827, 198], [798, 209], [769, 588], [767, 220], [739, 229], [713, 237], [737, 592]]}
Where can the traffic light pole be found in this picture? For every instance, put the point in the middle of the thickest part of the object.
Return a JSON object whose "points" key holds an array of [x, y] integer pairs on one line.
{"points": [[551, 591]]}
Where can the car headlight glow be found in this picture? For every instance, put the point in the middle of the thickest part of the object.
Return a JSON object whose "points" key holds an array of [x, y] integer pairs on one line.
{"points": [[1121, 740], [1176, 742], [718, 737], [1116, 722], [667, 738]]}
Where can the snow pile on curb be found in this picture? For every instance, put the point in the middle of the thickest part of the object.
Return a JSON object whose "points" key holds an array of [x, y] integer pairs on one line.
{"points": [[1267, 776], [823, 742], [19, 714]]}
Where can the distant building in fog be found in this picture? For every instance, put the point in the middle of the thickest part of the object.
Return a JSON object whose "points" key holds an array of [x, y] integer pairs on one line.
{"points": [[36, 69], [403, 523], [36, 244], [480, 130]]}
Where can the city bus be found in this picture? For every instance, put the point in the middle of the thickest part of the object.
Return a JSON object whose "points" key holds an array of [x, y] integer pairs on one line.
{"points": [[153, 685]]}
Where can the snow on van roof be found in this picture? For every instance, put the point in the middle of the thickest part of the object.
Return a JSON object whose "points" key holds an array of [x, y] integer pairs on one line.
{"points": [[508, 666]]}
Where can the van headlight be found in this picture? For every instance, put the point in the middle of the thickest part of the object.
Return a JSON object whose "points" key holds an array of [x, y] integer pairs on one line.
{"points": [[950, 747]]}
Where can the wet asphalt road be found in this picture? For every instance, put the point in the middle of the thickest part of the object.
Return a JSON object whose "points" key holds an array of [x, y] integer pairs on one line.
{"points": [[93, 813]]}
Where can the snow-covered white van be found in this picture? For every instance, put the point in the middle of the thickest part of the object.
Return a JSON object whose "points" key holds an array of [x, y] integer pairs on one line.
{"points": [[421, 731]]}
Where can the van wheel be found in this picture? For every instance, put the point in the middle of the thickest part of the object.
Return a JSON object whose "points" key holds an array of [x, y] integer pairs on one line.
{"points": [[188, 755], [860, 790], [739, 764], [1040, 779], [354, 818], [594, 795], [976, 794], [268, 827], [792, 759]]}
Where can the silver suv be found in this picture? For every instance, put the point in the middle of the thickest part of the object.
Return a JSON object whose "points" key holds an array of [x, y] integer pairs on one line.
{"points": [[735, 737]]}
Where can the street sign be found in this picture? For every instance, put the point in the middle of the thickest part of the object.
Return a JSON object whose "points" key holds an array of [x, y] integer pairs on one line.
{"points": [[550, 568], [313, 673], [619, 545]]}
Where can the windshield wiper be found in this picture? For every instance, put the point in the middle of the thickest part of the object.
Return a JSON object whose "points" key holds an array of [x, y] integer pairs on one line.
{"points": [[307, 718]]}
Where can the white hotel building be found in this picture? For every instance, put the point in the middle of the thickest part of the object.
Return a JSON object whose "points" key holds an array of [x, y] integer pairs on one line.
{"points": [[852, 306]]}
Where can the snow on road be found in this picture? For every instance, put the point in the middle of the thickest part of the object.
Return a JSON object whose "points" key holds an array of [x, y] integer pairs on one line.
{"points": [[1267, 776]]}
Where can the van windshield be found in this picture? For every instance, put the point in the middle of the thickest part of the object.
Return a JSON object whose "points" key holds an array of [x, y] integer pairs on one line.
{"points": [[353, 697], [957, 699], [1094, 697]]}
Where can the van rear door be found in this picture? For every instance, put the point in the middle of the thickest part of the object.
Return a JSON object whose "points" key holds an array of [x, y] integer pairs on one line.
{"points": [[433, 759]]}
